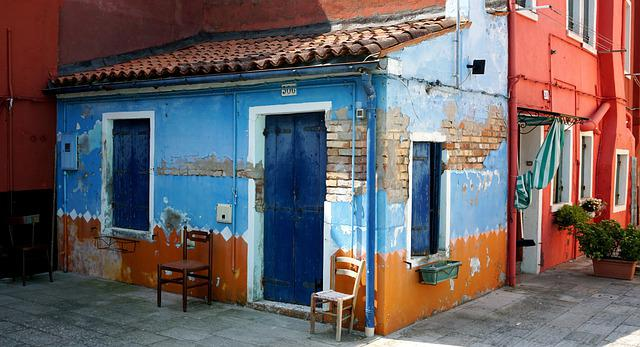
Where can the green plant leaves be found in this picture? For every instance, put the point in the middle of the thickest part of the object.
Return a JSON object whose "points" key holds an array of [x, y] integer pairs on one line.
{"points": [[607, 239]]}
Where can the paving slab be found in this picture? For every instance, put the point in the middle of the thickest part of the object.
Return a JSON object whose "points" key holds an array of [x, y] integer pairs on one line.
{"points": [[565, 306]]}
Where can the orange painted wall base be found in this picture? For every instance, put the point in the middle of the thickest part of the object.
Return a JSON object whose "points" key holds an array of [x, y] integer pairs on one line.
{"points": [[139, 267]]}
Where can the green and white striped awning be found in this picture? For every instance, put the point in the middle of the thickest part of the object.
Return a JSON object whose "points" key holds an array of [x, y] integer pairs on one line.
{"points": [[544, 166]]}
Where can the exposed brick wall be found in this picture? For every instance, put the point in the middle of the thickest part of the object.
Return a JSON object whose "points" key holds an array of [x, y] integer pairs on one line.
{"points": [[392, 151], [392, 160], [339, 158], [469, 142]]}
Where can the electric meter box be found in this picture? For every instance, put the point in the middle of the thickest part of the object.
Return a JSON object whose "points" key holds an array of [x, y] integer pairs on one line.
{"points": [[69, 152]]}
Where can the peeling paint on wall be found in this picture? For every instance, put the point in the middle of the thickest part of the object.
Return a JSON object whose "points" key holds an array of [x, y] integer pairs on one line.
{"points": [[90, 140], [393, 154], [474, 265], [173, 220]]}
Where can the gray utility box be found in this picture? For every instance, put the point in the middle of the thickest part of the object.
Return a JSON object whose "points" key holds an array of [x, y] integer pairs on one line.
{"points": [[69, 152], [223, 213]]}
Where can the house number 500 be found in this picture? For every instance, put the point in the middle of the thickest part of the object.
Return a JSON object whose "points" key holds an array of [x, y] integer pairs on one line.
{"points": [[289, 90]]}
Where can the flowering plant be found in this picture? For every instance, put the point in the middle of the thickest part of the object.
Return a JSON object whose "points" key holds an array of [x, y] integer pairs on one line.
{"points": [[593, 205]]}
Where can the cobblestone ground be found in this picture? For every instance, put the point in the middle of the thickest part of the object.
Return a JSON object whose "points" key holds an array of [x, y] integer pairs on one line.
{"points": [[565, 306]]}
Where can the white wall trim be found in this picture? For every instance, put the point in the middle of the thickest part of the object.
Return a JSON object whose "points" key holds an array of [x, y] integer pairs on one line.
{"points": [[578, 37], [531, 14], [530, 144], [255, 155], [590, 165], [628, 44], [568, 162], [625, 180], [445, 197], [107, 162]]}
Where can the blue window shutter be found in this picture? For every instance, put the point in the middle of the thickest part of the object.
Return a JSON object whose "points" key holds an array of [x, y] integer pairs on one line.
{"points": [[426, 170]]}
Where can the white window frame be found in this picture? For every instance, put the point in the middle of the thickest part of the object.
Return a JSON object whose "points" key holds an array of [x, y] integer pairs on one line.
{"points": [[627, 39], [588, 165], [567, 170], [624, 180], [579, 36], [106, 211], [531, 14], [445, 204]]}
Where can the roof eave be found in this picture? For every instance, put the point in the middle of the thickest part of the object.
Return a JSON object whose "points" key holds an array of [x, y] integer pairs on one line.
{"points": [[290, 72]]}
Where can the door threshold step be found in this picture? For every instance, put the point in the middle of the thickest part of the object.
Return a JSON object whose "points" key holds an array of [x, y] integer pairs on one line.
{"points": [[282, 308]]}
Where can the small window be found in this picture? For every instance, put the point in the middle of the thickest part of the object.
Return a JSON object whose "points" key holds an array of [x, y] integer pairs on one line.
{"points": [[627, 39], [561, 185], [425, 197], [586, 165], [529, 4], [581, 20], [527, 8], [621, 177]]}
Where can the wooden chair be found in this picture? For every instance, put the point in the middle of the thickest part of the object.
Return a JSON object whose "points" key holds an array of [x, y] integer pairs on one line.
{"points": [[27, 248], [188, 268], [353, 269]]}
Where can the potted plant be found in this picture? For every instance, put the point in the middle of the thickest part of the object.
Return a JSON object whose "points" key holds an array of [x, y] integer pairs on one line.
{"points": [[570, 216], [614, 250], [593, 206]]}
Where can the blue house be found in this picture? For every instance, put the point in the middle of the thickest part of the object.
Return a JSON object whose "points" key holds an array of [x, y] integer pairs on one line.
{"points": [[274, 141]]}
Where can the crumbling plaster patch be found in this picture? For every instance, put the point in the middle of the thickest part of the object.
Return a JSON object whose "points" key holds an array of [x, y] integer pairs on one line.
{"points": [[213, 166], [173, 219], [393, 154], [470, 141]]}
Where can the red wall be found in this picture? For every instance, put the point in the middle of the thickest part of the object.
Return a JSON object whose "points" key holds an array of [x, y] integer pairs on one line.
{"points": [[242, 15], [34, 27], [97, 28], [579, 80]]}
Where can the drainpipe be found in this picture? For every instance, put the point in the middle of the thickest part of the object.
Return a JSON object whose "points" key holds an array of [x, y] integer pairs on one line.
{"points": [[513, 151], [235, 184], [354, 247], [10, 120], [65, 216], [595, 118], [458, 44], [371, 204]]}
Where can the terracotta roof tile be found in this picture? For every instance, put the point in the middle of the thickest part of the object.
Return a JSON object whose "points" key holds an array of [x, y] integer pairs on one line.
{"points": [[260, 53]]}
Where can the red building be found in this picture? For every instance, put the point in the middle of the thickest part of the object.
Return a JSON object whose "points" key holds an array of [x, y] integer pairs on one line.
{"points": [[28, 56], [568, 58]]}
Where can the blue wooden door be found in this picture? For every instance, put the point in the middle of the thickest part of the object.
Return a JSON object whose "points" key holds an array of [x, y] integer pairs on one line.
{"points": [[295, 167], [131, 174], [425, 197]]}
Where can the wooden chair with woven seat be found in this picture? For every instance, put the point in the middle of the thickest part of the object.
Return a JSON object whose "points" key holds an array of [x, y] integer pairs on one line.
{"points": [[188, 267], [350, 268]]}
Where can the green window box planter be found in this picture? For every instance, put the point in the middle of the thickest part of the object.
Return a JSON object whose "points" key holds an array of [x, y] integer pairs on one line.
{"points": [[434, 273]]}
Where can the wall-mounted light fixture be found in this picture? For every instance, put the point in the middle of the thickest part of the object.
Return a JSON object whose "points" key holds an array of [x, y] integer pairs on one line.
{"points": [[477, 68]]}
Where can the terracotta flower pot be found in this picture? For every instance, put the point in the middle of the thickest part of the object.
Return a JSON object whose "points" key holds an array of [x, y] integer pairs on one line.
{"points": [[614, 268]]}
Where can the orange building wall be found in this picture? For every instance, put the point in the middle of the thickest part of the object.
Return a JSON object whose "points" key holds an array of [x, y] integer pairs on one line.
{"points": [[400, 297], [140, 266]]}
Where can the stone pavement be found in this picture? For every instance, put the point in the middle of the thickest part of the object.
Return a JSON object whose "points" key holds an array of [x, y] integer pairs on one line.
{"points": [[565, 306]]}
